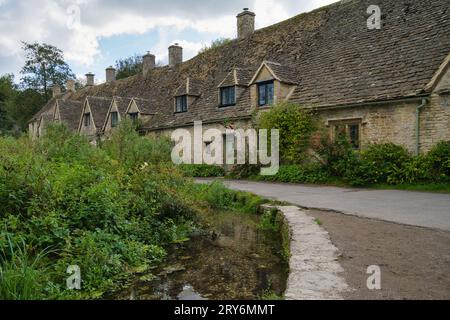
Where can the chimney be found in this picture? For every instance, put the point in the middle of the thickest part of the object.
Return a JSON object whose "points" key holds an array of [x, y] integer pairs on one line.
{"points": [[70, 86], [148, 63], [245, 23], [90, 79], [175, 55], [110, 75], [56, 90]]}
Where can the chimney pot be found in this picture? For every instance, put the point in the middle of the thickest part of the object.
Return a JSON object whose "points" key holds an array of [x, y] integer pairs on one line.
{"points": [[110, 75], [90, 79], [148, 63], [56, 90], [175, 55], [70, 86], [245, 23]]}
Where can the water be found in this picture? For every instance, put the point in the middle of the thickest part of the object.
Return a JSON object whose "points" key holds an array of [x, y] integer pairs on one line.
{"points": [[233, 260]]}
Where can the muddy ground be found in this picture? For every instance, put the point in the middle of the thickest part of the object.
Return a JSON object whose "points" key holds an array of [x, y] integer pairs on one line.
{"points": [[415, 262]]}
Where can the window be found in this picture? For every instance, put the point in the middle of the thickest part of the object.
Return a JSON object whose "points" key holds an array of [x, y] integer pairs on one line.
{"points": [[227, 96], [87, 119], [265, 93], [348, 130], [134, 117], [354, 135], [181, 104], [114, 119]]}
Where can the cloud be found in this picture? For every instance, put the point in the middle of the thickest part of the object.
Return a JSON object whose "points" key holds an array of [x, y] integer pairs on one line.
{"points": [[77, 26]]}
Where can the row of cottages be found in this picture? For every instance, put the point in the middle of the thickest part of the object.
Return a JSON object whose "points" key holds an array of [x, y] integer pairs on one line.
{"points": [[390, 84]]}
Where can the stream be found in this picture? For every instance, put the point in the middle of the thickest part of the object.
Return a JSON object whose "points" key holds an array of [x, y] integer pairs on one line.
{"points": [[233, 260]]}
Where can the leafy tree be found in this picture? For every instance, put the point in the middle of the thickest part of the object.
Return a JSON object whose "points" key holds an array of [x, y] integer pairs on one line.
{"points": [[7, 90], [128, 67], [215, 44], [23, 105], [44, 68]]}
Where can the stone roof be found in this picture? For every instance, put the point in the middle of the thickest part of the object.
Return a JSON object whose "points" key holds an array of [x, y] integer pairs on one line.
{"points": [[145, 106], [122, 105], [69, 112], [328, 53], [99, 109], [190, 87], [237, 77]]}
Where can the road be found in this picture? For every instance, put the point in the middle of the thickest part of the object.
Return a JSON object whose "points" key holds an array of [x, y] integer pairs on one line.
{"points": [[431, 210]]}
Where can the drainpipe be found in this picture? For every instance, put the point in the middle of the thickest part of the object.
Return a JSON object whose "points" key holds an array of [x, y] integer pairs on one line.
{"points": [[424, 103]]}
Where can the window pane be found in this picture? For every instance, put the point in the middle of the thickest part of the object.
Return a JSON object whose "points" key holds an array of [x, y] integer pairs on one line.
{"points": [[87, 119], [227, 96], [270, 93], [134, 117], [114, 119], [262, 94], [354, 135], [181, 104]]}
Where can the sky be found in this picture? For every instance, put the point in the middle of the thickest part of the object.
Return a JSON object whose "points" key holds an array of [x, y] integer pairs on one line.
{"points": [[95, 33]]}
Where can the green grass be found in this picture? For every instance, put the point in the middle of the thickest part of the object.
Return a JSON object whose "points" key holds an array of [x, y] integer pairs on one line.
{"points": [[22, 274], [434, 187], [334, 182]]}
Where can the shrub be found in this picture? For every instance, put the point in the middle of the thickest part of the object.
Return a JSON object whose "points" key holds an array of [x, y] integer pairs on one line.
{"points": [[202, 170], [109, 209], [296, 128], [217, 195], [312, 173], [439, 161]]}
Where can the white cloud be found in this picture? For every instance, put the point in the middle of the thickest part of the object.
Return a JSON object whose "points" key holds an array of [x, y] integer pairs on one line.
{"points": [[53, 22]]}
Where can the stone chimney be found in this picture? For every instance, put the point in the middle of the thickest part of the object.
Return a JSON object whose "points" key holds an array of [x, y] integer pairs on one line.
{"points": [[110, 74], [70, 86], [148, 63], [175, 55], [56, 90], [90, 79], [245, 23]]}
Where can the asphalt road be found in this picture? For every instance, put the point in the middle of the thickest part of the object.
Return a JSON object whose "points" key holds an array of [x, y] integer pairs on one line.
{"points": [[431, 210]]}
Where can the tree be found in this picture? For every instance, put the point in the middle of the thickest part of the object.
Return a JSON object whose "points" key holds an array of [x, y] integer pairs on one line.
{"points": [[7, 89], [44, 68], [128, 67]]}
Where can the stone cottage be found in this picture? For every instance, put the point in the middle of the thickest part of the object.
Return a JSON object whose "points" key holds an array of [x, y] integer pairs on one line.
{"points": [[388, 84]]}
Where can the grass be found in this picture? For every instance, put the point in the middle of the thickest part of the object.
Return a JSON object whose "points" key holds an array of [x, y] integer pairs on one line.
{"points": [[433, 187], [21, 273], [319, 222], [334, 182]]}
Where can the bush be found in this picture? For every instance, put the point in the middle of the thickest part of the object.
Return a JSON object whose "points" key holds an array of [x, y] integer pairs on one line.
{"points": [[202, 170], [296, 128], [312, 173], [439, 161], [220, 197], [108, 209]]}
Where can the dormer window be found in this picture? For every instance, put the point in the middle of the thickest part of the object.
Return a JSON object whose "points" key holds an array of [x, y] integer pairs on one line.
{"points": [[114, 119], [227, 96], [265, 93], [87, 119], [181, 104], [134, 117]]}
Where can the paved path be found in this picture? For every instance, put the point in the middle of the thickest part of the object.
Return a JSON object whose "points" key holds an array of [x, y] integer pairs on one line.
{"points": [[423, 209], [314, 270]]}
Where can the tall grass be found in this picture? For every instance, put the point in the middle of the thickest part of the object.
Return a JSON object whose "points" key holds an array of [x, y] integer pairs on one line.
{"points": [[22, 274]]}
